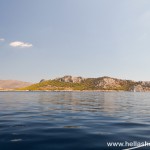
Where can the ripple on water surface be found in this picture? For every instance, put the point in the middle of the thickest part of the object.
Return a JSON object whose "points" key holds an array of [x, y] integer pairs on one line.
{"points": [[72, 120]]}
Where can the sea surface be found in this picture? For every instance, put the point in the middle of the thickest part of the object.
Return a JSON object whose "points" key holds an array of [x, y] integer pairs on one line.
{"points": [[73, 120]]}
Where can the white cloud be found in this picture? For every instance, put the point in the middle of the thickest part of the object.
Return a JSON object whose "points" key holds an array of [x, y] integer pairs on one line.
{"points": [[20, 44], [2, 39]]}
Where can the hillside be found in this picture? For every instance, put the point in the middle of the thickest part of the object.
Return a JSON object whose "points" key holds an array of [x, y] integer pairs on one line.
{"points": [[79, 83], [13, 84]]}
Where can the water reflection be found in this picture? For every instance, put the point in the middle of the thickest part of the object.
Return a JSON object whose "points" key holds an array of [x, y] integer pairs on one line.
{"points": [[109, 102]]}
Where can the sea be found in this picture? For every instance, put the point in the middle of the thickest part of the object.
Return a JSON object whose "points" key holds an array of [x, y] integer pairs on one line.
{"points": [[74, 120]]}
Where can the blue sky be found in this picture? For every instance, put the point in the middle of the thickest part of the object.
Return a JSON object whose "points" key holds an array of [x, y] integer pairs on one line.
{"points": [[89, 38]]}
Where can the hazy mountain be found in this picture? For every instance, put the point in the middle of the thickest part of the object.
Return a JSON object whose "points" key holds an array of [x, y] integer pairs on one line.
{"points": [[13, 84]]}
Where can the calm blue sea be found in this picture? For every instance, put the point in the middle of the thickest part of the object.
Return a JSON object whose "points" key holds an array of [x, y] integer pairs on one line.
{"points": [[73, 120]]}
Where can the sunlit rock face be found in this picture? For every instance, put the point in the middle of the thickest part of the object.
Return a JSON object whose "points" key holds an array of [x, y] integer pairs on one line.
{"points": [[70, 79], [108, 82], [145, 83], [140, 87]]}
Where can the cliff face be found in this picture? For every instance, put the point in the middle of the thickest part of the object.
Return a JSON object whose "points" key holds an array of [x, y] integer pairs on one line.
{"points": [[141, 86], [70, 79], [107, 82]]}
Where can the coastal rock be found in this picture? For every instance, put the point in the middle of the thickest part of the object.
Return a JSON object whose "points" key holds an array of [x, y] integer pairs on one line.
{"points": [[137, 88], [108, 82]]}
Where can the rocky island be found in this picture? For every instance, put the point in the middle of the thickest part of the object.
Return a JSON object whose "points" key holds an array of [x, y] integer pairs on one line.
{"points": [[105, 83]]}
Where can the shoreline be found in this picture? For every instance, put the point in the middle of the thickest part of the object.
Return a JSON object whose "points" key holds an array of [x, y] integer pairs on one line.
{"points": [[11, 90]]}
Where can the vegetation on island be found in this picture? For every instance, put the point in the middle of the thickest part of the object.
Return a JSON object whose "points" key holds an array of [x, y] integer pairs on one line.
{"points": [[54, 85]]}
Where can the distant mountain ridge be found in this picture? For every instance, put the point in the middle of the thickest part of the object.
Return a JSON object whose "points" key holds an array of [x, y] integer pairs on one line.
{"points": [[13, 84], [80, 83]]}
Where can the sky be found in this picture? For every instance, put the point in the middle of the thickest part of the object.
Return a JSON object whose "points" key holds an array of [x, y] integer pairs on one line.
{"points": [[44, 39]]}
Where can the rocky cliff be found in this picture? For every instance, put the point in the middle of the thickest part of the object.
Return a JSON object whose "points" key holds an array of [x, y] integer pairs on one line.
{"points": [[70, 79]]}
